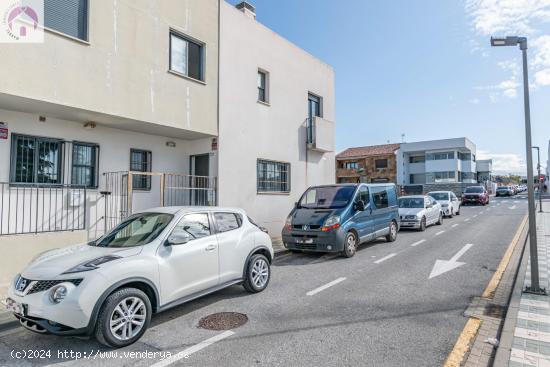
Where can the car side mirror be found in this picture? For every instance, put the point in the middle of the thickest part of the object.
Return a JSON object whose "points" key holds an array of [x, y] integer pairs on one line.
{"points": [[175, 240], [359, 205]]}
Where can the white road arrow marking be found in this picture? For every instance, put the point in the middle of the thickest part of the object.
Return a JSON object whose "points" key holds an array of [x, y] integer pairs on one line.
{"points": [[443, 266]]}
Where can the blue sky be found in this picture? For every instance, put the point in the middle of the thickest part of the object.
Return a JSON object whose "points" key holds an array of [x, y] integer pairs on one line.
{"points": [[425, 69]]}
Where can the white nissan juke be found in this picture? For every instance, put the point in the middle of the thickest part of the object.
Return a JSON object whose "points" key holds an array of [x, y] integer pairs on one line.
{"points": [[152, 261]]}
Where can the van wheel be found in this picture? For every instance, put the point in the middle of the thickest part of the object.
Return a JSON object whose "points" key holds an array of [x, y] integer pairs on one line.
{"points": [[392, 236], [258, 273], [422, 224], [124, 317], [350, 245], [440, 220]]}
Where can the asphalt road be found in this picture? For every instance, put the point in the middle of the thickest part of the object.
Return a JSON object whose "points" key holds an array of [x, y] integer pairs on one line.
{"points": [[379, 308]]}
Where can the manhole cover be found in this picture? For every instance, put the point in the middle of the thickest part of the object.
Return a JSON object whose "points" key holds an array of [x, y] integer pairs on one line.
{"points": [[223, 321]]}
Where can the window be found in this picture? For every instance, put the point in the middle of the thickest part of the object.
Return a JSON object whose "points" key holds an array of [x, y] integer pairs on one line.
{"points": [[69, 17], [444, 176], [140, 161], [227, 221], [186, 56], [35, 160], [351, 165], [467, 176], [85, 164], [263, 83], [191, 227], [380, 197], [273, 176], [417, 178], [314, 110], [381, 163], [440, 156], [363, 194], [417, 159], [139, 229], [467, 157]]}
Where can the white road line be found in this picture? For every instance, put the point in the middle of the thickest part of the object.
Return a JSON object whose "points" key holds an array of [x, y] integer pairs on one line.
{"points": [[417, 243], [454, 225], [475, 216], [440, 232], [512, 207], [385, 258], [323, 287], [467, 219], [195, 348]]}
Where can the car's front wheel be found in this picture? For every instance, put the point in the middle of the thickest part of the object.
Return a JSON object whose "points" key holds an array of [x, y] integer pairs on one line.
{"points": [[392, 236], [258, 273], [440, 220], [124, 317], [350, 245], [422, 224]]}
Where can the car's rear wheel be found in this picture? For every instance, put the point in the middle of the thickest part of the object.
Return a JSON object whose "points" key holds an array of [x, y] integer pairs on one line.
{"points": [[124, 317], [350, 245], [440, 220], [422, 224], [392, 236], [258, 274]]}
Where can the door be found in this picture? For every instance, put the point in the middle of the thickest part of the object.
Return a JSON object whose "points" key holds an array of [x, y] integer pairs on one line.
{"points": [[382, 212], [454, 202], [191, 264], [435, 209], [429, 211], [200, 170], [364, 220]]}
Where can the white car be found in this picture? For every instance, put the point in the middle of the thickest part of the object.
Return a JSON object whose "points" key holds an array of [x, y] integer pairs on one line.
{"points": [[152, 261], [449, 202], [419, 211]]}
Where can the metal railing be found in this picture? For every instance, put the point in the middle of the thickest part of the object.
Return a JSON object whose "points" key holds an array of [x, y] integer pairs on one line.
{"points": [[39, 208]]}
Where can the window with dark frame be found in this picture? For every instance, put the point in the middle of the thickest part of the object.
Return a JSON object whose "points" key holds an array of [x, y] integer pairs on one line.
{"points": [[262, 86], [381, 163], [85, 160], [314, 110], [227, 221], [351, 165], [186, 56], [273, 176], [140, 161], [35, 160], [69, 17]]}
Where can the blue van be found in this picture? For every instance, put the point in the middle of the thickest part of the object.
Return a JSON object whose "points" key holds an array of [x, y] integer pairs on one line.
{"points": [[338, 218]]}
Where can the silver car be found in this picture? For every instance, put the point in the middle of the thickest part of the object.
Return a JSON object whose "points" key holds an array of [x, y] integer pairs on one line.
{"points": [[449, 202], [419, 211]]}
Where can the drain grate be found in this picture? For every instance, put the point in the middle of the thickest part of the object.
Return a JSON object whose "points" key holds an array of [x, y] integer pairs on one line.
{"points": [[495, 311], [223, 321]]}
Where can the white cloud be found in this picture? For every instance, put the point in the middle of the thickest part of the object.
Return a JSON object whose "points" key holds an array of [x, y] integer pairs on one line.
{"points": [[514, 17], [504, 163], [474, 101]]}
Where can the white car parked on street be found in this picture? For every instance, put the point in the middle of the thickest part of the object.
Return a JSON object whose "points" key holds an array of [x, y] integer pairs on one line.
{"points": [[449, 202], [419, 211], [152, 261]]}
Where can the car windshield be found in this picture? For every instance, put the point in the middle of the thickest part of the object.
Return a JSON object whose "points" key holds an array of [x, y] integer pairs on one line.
{"points": [[502, 188], [411, 202], [475, 190], [139, 229], [440, 195], [327, 197]]}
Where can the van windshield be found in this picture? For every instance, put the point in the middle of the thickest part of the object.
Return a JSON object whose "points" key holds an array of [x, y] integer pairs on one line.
{"points": [[411, 202], [327, 197]]}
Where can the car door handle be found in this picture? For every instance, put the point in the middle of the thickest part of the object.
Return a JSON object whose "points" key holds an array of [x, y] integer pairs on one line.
{"points": [[210, 247]]}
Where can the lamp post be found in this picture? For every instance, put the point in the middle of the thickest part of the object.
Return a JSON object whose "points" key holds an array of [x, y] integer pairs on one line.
{"points": [[540, 183], [522, 42]]}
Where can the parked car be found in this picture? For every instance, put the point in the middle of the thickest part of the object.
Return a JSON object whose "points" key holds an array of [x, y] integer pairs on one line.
{"points": [[475, 195], [504, 191], [338, 218], [449, 202], [419, 211], [152, 261]]}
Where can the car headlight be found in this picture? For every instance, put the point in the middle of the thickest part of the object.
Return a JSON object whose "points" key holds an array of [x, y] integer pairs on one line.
{"points": [[92, 264], [288, 223], [332, 220], [58, 293], [410, 217]]}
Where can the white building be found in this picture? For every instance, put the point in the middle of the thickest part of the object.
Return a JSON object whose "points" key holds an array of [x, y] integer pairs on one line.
{"points": [[269, 91], [119, 88], [438, 162]]}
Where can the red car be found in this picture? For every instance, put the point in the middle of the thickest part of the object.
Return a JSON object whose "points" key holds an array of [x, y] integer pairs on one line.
{"points": [[475, 195]]}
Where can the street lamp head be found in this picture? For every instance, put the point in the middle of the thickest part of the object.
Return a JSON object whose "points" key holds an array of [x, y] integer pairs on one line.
{"points": [[509, 41]]}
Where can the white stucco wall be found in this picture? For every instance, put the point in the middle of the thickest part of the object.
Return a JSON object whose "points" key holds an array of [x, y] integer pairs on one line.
{"points": [[250, 130]]}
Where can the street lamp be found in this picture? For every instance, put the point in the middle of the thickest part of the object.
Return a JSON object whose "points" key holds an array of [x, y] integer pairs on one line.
{"points": [[522, 42], [540, 183]]}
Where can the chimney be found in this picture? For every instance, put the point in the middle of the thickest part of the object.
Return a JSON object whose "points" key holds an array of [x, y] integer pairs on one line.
{"points": [[248, 9]]}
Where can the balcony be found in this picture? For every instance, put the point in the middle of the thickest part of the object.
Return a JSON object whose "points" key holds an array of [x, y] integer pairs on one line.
{"points": [[349, 172], [320, 135]]}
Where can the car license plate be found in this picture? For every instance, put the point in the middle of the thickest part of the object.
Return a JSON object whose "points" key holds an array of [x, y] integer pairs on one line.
{"points": [[309, 240], [15, 307]]}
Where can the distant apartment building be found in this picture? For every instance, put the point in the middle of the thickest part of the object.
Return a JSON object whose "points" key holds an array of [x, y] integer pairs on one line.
{"points": [[450, 163], [125, 107], [373, 164]]}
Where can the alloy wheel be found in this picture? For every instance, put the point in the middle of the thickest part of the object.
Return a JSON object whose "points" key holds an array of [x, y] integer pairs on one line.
{"points": [[260, 273], [128, 318], [351, 243]]}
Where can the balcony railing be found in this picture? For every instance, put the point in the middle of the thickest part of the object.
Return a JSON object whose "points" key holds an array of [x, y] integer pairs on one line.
{"points": [[33, 208], [320, 134]]}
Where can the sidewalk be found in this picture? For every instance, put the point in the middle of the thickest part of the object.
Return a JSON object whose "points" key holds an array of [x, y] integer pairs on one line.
{"points": [[525, 338]]}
